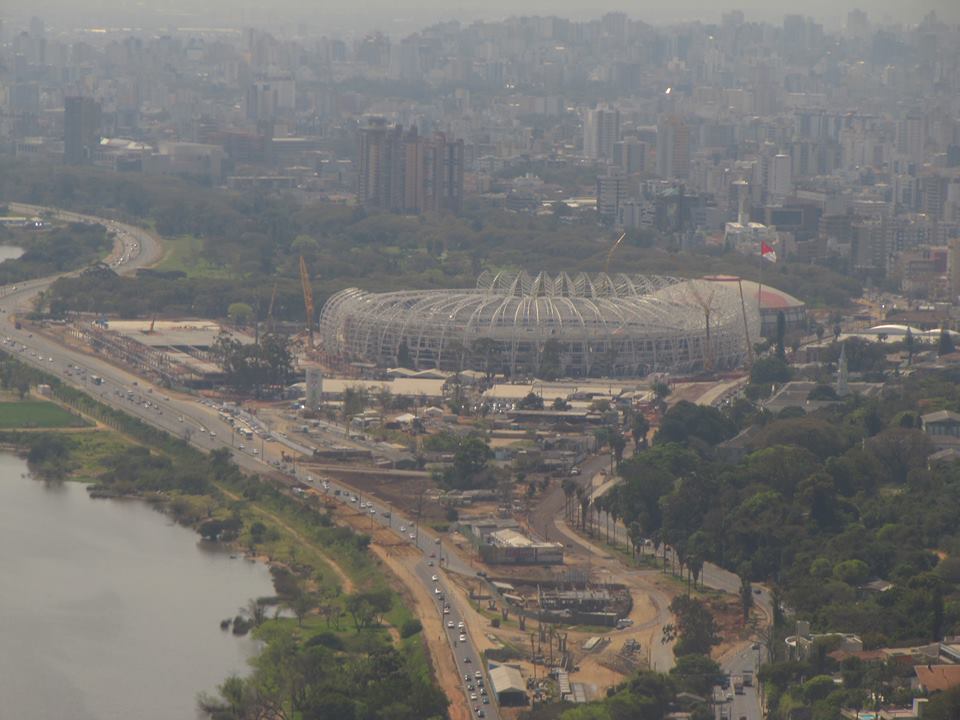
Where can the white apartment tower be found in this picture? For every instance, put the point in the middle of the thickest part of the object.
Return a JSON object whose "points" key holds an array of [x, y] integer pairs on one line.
{"points": [[601, 130]]}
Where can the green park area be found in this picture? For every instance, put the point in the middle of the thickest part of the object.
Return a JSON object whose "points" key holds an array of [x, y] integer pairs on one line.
{"points": [[36, 414]]}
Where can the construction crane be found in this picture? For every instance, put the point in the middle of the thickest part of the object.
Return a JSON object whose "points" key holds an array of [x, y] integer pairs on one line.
{"points": [[273, 299], [606, 266], [307, 299]]}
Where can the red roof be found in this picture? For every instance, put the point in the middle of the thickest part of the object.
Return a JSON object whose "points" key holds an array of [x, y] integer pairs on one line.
{"points": [[936, 678]]}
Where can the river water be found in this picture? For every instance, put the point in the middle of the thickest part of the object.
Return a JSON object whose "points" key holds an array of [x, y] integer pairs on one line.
{"points": [[108, 610]]}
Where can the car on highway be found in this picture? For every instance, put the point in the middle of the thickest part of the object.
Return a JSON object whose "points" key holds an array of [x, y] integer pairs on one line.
{"points": [[403, 528], [467, 661], [463, 637], [412, 536], [460, 625], [450, 624], [435, 578], [486, 700], [477, 674], [473, 697]]}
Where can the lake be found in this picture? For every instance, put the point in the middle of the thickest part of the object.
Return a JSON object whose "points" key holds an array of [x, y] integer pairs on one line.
{"points": [[10, 252], [108, 610]]}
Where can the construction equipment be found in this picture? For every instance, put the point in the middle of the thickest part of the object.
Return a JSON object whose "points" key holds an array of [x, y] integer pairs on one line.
{"points": [[273, 299], [606, 266], [307, 299]]}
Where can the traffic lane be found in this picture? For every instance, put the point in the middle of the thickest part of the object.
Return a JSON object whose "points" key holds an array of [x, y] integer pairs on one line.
{"points": [[747, 704], [466, 656]]}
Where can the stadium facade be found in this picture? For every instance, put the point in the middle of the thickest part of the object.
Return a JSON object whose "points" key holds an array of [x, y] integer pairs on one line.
{"points": [[579, 325]]}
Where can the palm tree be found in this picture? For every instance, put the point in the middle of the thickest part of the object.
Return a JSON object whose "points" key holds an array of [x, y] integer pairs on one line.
{"points": [[569, 490], [484, 347]]}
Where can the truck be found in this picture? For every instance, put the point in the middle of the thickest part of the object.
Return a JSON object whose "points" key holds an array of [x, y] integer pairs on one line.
{"points": [[738, 684], [747, 678]]}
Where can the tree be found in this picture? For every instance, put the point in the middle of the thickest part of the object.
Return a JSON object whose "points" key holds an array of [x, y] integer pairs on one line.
{"points": [[746, 597], [301, 604], [239, 313], [696, 673], [569, 490], [696, 629], [770, 370], [618, 444], [945, 346], [661, 391], [404, 359], [550, 360], [530, 401], [639, 428], [485, 348], [354, 401]]}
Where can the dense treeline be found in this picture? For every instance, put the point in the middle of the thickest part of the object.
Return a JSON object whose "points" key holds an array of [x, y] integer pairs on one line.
{"points": [[820, 505], [60, 249], [248, 243]]}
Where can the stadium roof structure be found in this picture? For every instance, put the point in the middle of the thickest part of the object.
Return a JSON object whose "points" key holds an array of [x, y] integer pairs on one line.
{"points": [[515, 323]]}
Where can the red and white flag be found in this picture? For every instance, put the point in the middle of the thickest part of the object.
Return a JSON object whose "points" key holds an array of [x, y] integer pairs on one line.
{"points": [[767, 252]]}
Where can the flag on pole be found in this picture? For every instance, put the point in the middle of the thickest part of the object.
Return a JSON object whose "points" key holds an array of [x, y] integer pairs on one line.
{"points": [[767, 252]]}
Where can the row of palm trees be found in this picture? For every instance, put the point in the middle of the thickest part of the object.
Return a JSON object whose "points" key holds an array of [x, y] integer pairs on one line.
{"points": [[596, 515]]}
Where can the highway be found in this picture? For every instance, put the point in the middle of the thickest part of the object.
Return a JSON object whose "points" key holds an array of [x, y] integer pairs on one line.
{"points": [[731, 705], [199, 422]]}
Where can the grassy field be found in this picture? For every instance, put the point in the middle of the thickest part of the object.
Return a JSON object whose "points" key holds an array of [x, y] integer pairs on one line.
{"points": [[36, 414], [184, 254]]}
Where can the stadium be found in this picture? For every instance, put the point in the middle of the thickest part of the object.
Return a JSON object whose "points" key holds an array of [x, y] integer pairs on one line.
{"points": [[574, 325]]}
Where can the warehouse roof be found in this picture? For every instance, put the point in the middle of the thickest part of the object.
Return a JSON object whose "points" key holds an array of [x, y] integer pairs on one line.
{"points": [[506, 679]]}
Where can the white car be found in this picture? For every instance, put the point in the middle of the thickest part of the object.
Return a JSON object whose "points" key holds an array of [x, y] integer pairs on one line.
{"points": [[461, 625], [450, 624], [463, 637], [403, 528], [412, 536], [436, 591], [435, 578]]}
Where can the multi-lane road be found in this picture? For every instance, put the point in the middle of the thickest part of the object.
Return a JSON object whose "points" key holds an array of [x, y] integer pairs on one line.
{"points": [[200, 423]]}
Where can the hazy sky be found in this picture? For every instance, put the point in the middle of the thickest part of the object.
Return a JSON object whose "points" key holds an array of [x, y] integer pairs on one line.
{"points": [[391, 16]]}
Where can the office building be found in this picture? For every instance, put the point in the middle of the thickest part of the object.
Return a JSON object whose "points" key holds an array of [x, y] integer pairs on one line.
{"points": [[780, 178], [673, 148], [81, 129], [611, 193]]}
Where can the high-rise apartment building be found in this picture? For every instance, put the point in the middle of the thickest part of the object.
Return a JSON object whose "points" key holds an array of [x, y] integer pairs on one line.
{"points": [[780, 178], [673, 148], [403, 172], [611, 193], [81, 129], [601, 130]]}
